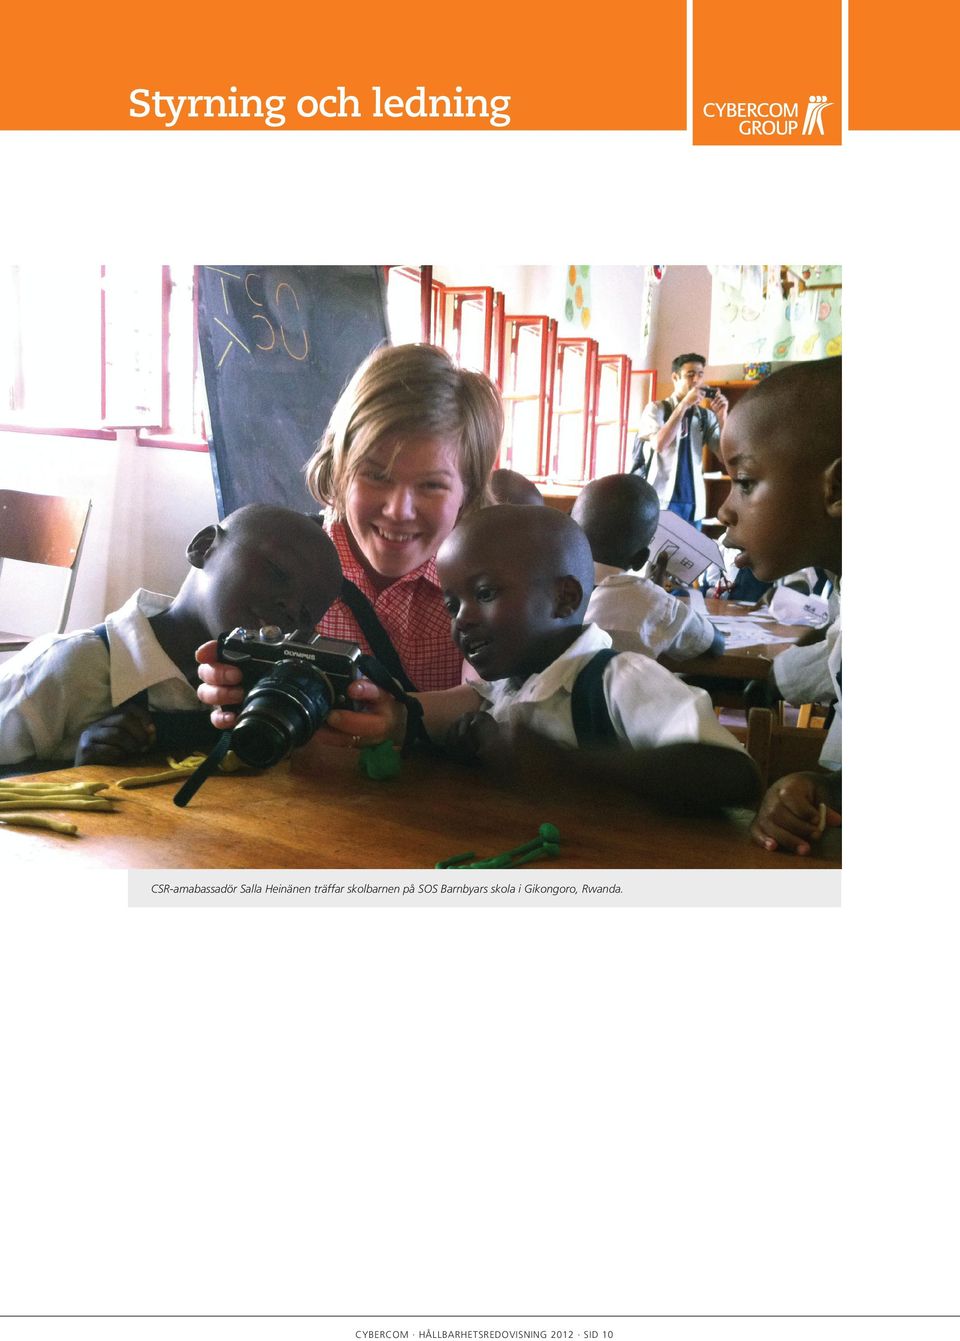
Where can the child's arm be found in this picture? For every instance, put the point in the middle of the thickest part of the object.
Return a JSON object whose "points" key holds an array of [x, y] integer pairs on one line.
{"points": [[385, 718], [796, 810], [122, 735], [690, 778]]}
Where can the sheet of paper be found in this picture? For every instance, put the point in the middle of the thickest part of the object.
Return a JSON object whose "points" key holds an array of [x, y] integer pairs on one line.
{"points": [[690, 551], [744, 631], [793, 607]]}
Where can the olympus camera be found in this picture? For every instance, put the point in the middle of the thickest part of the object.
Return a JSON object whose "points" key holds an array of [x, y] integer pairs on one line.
{"points": [[293, 684]]}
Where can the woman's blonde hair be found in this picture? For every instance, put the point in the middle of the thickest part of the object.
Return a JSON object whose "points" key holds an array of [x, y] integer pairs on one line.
{"points": [[399, 393]]}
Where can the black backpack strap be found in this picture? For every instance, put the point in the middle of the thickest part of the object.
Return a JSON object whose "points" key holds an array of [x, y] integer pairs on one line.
{"points": [[588, 703], [375, 634], [179, 732], [643, 449]]}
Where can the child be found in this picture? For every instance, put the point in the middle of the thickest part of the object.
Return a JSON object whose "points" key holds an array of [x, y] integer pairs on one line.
{"points": [[782, 449], [619, 515], [509, 486], [80, 696], [516, 582]]}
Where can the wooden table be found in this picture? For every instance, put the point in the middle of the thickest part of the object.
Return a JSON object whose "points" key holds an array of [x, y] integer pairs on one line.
{"points": [[334, 817], [741, 663]]}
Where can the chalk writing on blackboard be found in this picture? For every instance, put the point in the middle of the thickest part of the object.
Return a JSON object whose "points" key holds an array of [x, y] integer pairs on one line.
{"points": [[285, 308], [278, 345]]}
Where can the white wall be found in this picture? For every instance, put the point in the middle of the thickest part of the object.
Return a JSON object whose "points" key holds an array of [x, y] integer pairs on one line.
{"points": [[147, 503], [681, 323]]}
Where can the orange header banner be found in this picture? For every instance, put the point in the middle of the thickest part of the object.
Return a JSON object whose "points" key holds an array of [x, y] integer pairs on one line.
{"points": [[298, 66], [770, 76]]}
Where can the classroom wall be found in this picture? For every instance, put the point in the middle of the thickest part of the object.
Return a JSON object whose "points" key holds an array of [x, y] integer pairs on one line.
{"points": [[681, 323], [147, 503]]}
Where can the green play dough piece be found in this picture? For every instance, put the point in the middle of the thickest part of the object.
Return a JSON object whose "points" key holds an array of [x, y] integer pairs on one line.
{"points": [[380, 761]]}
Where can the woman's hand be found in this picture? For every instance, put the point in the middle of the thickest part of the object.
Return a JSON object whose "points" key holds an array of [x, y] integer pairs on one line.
{"points": [[222, 685]]}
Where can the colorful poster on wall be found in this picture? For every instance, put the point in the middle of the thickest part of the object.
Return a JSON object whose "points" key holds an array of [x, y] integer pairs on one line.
{"points": [[752, 320], [576, 306]]}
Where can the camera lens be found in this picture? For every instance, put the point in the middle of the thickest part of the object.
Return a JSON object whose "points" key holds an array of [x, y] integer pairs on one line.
{"points": [[281, 712]]}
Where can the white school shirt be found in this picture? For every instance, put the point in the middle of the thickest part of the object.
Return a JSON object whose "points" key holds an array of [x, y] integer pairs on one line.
{"points": [[648, 706], [831, 756], [55, 687], [641, 617]]}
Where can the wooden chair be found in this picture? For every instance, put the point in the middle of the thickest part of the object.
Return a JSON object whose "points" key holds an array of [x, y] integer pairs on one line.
{"points": [[777, 749], [42, 529]]}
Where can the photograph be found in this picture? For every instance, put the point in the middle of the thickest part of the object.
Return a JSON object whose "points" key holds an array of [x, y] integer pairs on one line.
{"points": [[423, 566]]}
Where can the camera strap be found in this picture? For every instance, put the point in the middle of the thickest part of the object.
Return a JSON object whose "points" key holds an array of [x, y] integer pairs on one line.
{"points": [[416, 732], [375, 634]]}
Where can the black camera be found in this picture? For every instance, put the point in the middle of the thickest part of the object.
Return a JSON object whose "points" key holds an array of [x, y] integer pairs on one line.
{"points": [[708, 392], [293, 684]]}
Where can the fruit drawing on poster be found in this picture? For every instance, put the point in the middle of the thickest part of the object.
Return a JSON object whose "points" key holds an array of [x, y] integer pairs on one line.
{"points": [[576, 305], [775, 313]]}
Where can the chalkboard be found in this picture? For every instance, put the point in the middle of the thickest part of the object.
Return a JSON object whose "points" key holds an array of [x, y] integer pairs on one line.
{"points": [[278, 344]]}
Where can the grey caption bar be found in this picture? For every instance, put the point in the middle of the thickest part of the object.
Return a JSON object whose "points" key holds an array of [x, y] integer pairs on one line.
{"points": [[516, 888]]}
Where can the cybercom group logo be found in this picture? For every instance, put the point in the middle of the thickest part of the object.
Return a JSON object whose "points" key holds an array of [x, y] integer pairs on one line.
{"points": [[770, 120], [815, 109]]}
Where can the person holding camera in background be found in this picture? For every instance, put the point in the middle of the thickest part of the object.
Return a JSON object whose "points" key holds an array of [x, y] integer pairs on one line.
{"points": [[672, 434]]}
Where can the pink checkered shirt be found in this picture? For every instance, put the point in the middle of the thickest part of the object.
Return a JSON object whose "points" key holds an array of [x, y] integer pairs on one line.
{"points": [[410, 609]]}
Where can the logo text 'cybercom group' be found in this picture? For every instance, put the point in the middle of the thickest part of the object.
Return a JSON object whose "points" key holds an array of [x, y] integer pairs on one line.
{"points": [[771, 120]]}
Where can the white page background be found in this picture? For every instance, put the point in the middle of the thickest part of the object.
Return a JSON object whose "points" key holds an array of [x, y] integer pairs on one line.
{"points": [[508, 1112]]}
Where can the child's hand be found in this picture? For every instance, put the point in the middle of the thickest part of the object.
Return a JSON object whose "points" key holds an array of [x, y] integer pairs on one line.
{"points": [[473, 734], [124, 734], [222, 684], [658, 573], [794, 813], [382, 717]]}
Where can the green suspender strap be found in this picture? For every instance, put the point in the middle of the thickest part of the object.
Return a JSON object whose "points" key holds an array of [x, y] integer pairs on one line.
{"points": [[588, 703]]}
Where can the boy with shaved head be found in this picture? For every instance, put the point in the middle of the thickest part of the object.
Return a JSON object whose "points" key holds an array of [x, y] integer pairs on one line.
{"points": [[619, 515], [509, 486], [516, 581], [782, 450], [99, 695]]}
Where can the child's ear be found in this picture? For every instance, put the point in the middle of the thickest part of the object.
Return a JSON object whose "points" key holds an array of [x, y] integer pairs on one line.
{"points": [[201, 545], [639, 559], [832, 491], [569, 597]]}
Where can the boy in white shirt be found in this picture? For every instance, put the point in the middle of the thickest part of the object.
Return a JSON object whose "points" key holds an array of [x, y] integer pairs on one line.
{"points": [[619, 515], [782, 448], [99, 696]]}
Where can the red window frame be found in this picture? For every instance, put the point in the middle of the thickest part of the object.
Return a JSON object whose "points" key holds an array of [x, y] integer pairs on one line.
{"points": [[546, 329]]}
